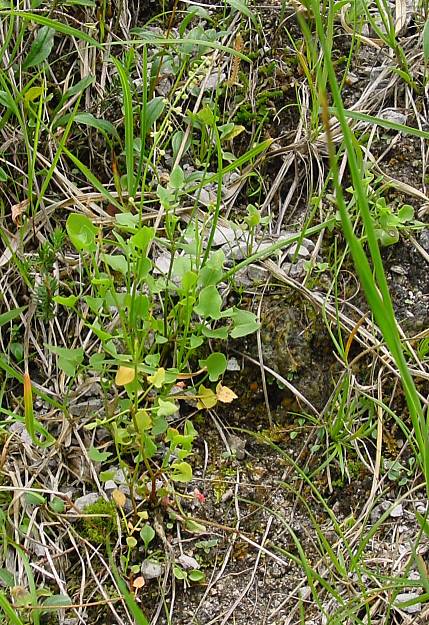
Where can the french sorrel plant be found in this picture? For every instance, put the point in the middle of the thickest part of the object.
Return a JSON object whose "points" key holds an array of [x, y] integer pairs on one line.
{"points": [[155, 322]]}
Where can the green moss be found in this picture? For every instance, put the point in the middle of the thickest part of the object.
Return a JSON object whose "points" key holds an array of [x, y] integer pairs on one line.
{"points": [[97, 529], [265, 108], [268, 70], [221, 481]]}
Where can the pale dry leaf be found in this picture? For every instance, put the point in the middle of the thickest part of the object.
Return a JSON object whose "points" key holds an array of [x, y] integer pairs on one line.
{"points": [[119, 498], [400, 15], [139, 582], [9, 252], [225, 394], [17, 210]]}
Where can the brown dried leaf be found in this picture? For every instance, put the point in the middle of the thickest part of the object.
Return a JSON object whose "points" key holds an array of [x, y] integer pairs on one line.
{"points": [[17, 210]]}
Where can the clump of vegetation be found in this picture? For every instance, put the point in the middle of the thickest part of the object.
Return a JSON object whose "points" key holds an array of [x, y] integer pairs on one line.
{"points": [[99, 522], [263, 111], [141, 213]]}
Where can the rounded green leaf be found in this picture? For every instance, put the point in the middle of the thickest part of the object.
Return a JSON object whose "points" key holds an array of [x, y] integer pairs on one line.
{"points": [[196, 576], [154, 109], [117, 262], [96, 455], [177, 178], [82, 232], [181, 472], [406, 213], [131, 542], [209, 303], [57, 601], [216, 365], [179, 573], [35, 499], [147, 534], [69, 301], [57, 505], [166, 408]]}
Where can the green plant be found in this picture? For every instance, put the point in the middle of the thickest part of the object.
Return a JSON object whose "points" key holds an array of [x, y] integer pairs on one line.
{"points": [[398, 472], [163, 321], [387, 222], [378, 14], [193, 575], [251, 224], [374, 283], [98, 522], [423, 348]]}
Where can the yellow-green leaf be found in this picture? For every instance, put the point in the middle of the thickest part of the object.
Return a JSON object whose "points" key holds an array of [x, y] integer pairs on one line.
{"points": [[124, 375], [206, 398], [143, 420], [32, 94], [158, 378]]}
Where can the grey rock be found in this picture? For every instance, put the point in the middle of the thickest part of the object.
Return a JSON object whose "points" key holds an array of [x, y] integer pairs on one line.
{"points": [[397, 512], [151, 569], [379, 510], [162, 263], [109, 486], [20, 429], [421, 507], [225, 235], [295, 270], [214, 79], [86, 500], [424, 240], [300, 251], [233, 365], [228, 494], [393, 115], [408, 596], [238, 446], [206, 197], [188, 562], [401, 271], [257, 274]]}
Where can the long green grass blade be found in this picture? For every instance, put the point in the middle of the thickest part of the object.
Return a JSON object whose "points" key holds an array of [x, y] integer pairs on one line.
{"points": [[375, 287], [129, 125], [13, 618], [383, 123]]}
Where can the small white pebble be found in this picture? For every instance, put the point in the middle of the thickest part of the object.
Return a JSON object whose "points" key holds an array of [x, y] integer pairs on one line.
{"points": [[397, 511]]}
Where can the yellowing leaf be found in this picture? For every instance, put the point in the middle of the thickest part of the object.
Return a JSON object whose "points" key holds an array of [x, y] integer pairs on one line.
{"points": [[119, 498], [237, 130], [139, 582], [158, 378], [225, 394], [124, 375], [32, 94], [28, 407], [206, 398], [143, 420]]}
